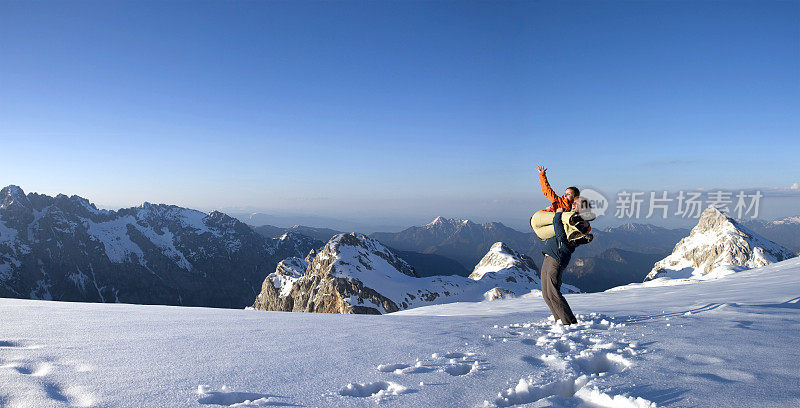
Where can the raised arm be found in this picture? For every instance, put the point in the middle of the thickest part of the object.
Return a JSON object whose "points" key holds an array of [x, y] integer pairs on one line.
{"points": [[546, 189]]}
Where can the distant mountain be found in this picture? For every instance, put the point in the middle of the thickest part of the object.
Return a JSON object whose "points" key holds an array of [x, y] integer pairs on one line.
{"points": [[424, 264], [357, 274], [718, 245], [461, 240], [642, 238], [785, 232], [322, 234], [261, 219], [64, 248], [611, 268], [617, 255]]}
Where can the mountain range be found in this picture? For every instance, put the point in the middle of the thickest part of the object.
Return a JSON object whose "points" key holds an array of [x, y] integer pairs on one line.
{"points": [[617, 256], [64, 248]]}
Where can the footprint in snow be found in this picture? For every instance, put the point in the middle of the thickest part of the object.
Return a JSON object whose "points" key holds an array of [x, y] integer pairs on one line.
{"points": [[400, 368], [18, 345], [388, 368], [579, 354], [458, 364], [42, 367], [457, 369], [226, 397], [701, 359], [74, 396], [377, 389], [35, 369]]}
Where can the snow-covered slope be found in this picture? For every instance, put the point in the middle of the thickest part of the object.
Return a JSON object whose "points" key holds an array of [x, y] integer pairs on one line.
{"points": [[500, 258], [64, 248], [357, 274], [717, 246], [729, 342]]}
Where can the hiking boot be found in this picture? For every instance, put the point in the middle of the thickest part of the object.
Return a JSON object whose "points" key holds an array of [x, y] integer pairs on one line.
{"points": [[583, 227], [574, 219], [583, 240]]}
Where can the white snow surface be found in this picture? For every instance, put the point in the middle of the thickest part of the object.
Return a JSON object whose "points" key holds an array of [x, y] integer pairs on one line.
{"points": [[730, 342]]}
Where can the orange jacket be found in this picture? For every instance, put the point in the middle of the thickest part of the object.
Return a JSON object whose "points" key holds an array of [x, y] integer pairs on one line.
{"points": [[556, 200]]}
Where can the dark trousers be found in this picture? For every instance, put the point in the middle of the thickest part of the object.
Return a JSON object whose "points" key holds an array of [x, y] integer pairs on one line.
{"points": [[551, 291]]}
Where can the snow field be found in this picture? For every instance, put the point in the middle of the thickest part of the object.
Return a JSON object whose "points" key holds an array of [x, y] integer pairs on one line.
{"points": [[727, 343], [36, 379]]}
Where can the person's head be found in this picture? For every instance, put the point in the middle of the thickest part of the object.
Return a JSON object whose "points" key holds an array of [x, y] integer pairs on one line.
{"points": [[572, 193], [580, 204]]}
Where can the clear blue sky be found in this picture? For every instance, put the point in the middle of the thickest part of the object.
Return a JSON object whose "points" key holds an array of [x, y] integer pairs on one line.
{"points": [[395, 110]]}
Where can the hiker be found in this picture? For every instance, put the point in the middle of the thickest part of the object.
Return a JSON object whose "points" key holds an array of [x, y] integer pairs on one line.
{"points": [[557, 253], [565, 202], [577, 212]]}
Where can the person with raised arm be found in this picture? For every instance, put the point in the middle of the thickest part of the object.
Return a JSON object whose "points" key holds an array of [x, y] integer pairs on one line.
{"points": [[557, 254], [575, 212]]}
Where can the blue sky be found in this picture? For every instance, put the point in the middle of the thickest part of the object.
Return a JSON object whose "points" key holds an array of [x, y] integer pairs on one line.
{"points": [[395, 111]]}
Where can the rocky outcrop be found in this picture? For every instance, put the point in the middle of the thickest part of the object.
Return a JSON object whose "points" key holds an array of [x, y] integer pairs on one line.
{"points": [[330, 282], [717, 246]]}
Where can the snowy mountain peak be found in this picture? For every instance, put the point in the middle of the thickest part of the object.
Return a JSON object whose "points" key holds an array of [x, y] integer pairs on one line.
{"points": [[788, 220], [13, 195], [499, 258], [361, 251], [633, 227], [711, 219], [718, 246], [446, 222]]}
